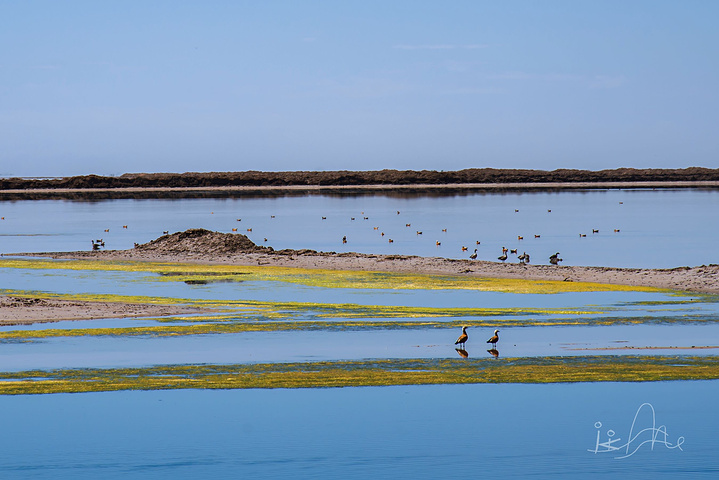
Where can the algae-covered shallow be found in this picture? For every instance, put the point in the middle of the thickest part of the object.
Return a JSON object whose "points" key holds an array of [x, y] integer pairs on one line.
{"points": [[278, 321], [324, 278], [378, 372], [355, 345]]}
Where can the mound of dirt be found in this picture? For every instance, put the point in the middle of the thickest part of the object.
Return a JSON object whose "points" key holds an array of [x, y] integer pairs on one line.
{"points": [[201, 241]]}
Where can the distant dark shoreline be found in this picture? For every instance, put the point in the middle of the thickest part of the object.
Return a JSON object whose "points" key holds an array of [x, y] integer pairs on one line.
{"points": [[360, 178], [404, 183]]}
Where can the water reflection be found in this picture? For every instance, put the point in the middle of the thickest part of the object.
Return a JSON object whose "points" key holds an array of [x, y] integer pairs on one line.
{"points": [[494, 352], [462, 352]]}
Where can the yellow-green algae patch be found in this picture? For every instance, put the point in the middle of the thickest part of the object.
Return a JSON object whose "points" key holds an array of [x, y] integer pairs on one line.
{"points": [[364, 373], [325, 278], [278, 310]]}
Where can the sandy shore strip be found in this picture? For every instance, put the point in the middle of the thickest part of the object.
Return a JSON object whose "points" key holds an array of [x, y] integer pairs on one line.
{"points": [[15, 310], [701, 279]]}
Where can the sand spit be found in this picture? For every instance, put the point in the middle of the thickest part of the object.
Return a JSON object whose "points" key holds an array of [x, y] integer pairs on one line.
{"points": [[16, 310], [203, 246]]}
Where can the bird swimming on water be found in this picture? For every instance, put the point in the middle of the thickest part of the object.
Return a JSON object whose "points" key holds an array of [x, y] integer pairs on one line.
{"points": [[494, 339], [462, 338]]}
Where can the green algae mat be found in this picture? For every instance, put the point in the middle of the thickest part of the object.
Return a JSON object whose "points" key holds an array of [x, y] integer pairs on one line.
{"points": [[196, 273], [364, 373]]}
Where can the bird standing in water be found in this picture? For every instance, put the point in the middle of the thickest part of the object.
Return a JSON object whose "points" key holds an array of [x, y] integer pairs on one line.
{"points": [[494, 338], [462, 338]]}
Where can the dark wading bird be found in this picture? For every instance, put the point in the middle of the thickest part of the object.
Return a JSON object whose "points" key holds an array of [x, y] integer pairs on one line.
{"points": [[474, 255], [494, 339], [462, 338]]}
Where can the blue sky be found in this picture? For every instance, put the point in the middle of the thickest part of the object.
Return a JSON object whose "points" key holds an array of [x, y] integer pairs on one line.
{"points": [[173, 86]]}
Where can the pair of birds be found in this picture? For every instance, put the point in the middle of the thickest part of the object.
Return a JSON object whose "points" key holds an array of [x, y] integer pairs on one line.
{"points": [[464, 337]]}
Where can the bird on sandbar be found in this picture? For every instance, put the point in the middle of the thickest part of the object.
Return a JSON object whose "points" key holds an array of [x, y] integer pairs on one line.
{"points": [[462, 338], [502, 257], [494, 339], [554, 260], [474, 255]]}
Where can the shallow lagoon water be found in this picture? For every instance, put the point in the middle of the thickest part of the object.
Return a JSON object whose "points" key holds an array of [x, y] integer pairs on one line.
{"points": [[658, 228], [147, 284], [504, 430], [378, 432], [288, 347]]}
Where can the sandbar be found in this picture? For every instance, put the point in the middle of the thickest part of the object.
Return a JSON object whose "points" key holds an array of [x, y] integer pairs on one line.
{"points": [[699, 279], [201, 246], [17, 310]]}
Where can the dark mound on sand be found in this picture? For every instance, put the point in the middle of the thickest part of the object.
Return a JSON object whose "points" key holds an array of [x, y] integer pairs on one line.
{"points": [[199, 240]]}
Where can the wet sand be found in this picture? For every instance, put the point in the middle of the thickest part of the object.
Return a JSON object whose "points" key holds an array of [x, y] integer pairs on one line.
{"points": [[16, 310]]}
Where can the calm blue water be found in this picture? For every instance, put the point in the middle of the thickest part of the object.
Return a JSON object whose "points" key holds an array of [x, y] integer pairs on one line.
{"points": [[422, 432], [503, 431], [658, 228], [294, 346]]}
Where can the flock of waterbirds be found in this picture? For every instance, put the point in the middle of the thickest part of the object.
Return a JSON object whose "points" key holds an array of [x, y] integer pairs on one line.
{"points": [[522, 258]]}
